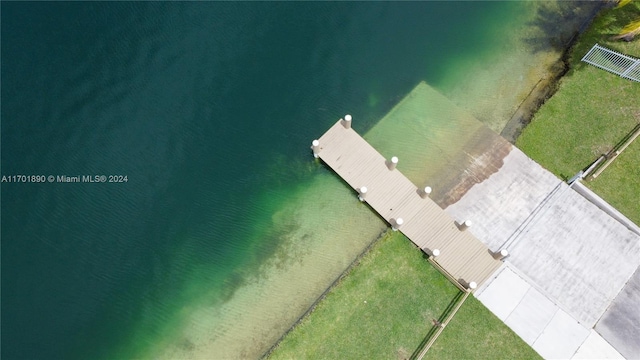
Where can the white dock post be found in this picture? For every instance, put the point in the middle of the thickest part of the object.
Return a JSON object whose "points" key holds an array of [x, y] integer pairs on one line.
{"points": [[499, 255], [425, 192], [472, 286], [346, 122], [391, 164], [465, 225], [396, 224], [315, 146], [435, 253], [362, 193]]}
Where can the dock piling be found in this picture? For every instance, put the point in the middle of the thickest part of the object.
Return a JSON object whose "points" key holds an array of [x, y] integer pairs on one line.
{"points": [[499, 255], [346, 122], [464, 225], [424, 193], [391, 164], [362, 193], [395, 224]]}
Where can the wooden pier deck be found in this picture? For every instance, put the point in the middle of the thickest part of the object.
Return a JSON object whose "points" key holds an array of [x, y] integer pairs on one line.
{"points": [[463, 258]]}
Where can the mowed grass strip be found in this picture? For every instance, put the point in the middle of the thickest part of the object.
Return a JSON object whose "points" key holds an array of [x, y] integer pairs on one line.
{"points": [[383, 309], [619, 185], [475, 333], [589, 114]]}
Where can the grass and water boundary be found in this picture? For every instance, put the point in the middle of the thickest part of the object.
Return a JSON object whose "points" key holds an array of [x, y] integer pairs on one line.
{"points": [[386, 308], [592, 111]]}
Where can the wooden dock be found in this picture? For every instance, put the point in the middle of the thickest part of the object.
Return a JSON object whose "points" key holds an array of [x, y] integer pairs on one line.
{"points": [[463, 258]]}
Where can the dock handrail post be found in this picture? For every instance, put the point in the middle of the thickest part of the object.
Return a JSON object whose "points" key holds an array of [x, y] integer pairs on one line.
{"points": [[425, 192], [391, 164], [362, 193], [315, 146], [346, 122]]}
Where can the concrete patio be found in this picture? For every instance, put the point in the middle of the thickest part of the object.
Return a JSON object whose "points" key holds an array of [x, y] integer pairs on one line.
{"points": [[571, 259], [540, 322]]}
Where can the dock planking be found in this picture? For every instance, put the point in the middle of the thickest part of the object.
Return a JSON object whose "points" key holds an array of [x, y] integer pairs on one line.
{"points": [[463, 258]]}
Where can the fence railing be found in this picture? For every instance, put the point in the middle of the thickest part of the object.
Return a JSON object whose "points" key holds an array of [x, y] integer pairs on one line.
{"points": [[432, 336], [613, 61]]}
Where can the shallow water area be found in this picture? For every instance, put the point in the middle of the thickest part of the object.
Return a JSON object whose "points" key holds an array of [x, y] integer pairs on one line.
{"points": [[532, 39], [322, 228]]}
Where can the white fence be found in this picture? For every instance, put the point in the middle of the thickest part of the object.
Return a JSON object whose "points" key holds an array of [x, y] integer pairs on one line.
{"points": [[612, 61]]}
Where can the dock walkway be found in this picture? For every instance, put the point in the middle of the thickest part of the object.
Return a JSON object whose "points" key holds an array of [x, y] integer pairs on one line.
{"points": [[463, 258]]}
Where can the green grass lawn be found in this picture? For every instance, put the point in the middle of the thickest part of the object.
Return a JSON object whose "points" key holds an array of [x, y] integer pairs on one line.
{"points": [[383, 310], [589, 114], [475, 333]]}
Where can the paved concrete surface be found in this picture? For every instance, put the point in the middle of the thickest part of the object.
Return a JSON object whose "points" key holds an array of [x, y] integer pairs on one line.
{"points": [[595, 347], [535, 318], [561, 338], [533, 314], [541, 323], [577, 254], [620, 325]]}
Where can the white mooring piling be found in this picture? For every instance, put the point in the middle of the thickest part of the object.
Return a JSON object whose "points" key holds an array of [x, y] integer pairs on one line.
{"points": [[362, 193], [346, 122], [315, 146], [465, 225], [424, 193], [391, 164], [396, 224], [499, 255]]}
